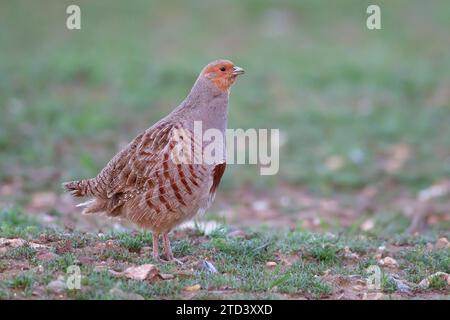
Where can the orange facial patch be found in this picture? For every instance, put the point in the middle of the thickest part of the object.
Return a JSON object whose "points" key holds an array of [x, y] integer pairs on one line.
{"points": [[221, 74]]}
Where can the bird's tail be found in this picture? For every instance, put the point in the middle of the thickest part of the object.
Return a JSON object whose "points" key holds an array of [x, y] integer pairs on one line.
{"points": [[80, 188], [87, 188], [93, 206]]}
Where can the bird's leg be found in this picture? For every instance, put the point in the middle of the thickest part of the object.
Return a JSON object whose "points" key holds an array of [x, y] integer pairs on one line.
{"points": [[155, 240], [168, 250], [167, 247]]}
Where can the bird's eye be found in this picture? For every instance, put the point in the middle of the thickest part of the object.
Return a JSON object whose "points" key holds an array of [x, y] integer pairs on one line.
{"points": [[222, 69]]}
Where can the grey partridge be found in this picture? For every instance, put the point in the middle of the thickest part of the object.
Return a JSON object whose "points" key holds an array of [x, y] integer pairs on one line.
{"points": [[145, 185]]}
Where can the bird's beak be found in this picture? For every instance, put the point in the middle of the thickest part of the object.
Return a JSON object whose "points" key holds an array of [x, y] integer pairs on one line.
{"points": [[237, 71]]}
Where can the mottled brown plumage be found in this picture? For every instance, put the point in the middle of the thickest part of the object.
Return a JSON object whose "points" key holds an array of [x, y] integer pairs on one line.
{"points": [[143, 183]]}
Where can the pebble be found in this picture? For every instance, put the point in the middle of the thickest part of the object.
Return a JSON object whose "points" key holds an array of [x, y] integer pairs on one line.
{"points": [[425, 283], [388, 262], [193, 288], [121, 295], [442, 243], [57, 286], [208, 266], [237, 234], [373, 296]]}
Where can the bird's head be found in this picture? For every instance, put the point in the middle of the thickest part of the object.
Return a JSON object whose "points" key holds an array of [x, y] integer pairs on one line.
{"points": [[222, 73]]}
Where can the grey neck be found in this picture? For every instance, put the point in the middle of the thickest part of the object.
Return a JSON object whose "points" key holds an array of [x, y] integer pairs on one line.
{"points": [[205, 103]]}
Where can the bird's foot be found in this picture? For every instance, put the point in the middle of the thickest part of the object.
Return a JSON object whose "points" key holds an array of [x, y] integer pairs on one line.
{"points": [[158, 260]]}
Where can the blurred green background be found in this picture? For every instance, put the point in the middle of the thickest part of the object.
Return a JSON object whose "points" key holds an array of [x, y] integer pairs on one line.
{"points": [[355, 107]]}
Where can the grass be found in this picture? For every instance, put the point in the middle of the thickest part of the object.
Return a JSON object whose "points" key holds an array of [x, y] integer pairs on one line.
{"points": [[24, 282], [22, 252], [240, 262], [135, 242], [119, 255], [422, 262], [388, 285], [303, 278], [16, 224], [60, 263]]}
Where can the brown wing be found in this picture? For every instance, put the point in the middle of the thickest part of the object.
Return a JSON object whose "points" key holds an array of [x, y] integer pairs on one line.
{"points": [[146, 167], [122, 171], [130, 169]]}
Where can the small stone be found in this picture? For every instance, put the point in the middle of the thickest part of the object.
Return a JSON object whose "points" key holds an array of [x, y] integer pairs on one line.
{"points": [[334, 162], [424, 284], [57, 286], [237, 234], [285, 201], [260, 205], [15, 243], [48, 219], [167, 276], [349, 254], [38, 246], [121, 295], [388, 262], [142, 272], [367, 225], [208, 266], [100, 268], [271, 264], [442, 243], [193, 288], [316, 221], [401, 285], [109, 244], [441, 274], [373, 296]]}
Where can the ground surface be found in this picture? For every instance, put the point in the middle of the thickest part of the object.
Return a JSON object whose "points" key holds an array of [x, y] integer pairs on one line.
{"points": [[219, 263], [364, 151]]}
